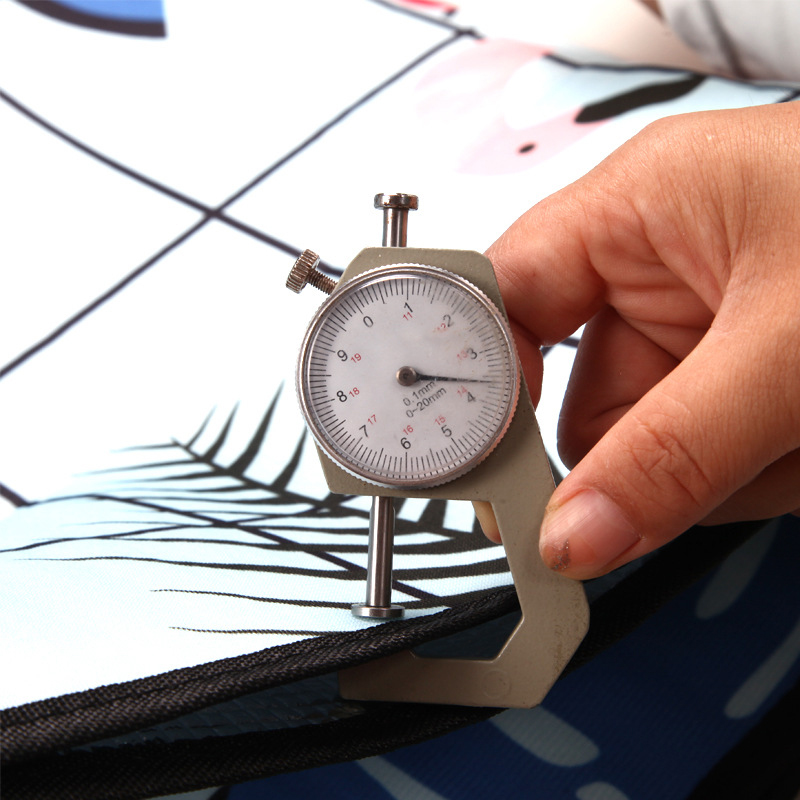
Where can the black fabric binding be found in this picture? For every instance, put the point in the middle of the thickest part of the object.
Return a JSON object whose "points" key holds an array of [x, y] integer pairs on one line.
{"points": [[36, 770], [151, 770], [36, 729]]}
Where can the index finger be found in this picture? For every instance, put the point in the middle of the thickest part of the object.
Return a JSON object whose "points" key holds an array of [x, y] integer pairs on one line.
{"points": [[544, 271]]}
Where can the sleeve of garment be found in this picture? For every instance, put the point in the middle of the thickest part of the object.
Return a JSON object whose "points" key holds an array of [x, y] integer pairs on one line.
{"points": [[745, 38]]}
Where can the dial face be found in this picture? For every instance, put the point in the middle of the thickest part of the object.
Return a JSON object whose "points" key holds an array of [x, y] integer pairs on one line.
{"points": [[408, 376]]}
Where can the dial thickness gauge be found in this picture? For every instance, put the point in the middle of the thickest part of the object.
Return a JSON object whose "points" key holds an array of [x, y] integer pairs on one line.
{"points": [[409, 381], [408, 376]]}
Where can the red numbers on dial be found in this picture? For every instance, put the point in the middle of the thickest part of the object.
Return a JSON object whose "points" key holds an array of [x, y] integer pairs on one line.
{"points": [[466, 353]]}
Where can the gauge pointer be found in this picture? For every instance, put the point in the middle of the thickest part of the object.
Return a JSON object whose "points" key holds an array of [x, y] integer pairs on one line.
{"points": [[408, 376]]}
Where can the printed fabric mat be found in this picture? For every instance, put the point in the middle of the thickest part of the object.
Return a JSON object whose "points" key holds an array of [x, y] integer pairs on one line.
{"points": [[176, 577]]}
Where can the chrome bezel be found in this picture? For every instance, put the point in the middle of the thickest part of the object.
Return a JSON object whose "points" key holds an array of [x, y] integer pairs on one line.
{"points": [[330, 448]]}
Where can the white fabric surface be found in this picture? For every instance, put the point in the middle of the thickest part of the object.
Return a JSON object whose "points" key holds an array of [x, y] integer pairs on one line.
{"points": [[746, 38]]}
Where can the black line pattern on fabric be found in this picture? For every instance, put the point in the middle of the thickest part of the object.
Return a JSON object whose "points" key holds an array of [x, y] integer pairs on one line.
{"points": [[209, 213], [7, 493], [190, 497], [307, 603], [99, 301], [645, 95], [261, 631], [217, 212]]}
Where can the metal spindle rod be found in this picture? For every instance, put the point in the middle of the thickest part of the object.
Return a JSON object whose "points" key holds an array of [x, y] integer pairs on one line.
{"points": [[379, 554], [378, 604], [381, 517]]}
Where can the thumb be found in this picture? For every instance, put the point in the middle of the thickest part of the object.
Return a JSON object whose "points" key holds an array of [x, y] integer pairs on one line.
{"points": [[705, 430]]}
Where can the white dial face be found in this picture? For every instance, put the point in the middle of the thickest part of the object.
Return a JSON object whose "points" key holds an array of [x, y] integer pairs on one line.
{"points": [[408, 376]]}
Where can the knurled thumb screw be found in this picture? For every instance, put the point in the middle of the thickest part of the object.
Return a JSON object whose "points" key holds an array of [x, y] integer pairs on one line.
{"points": [[305, 272]]}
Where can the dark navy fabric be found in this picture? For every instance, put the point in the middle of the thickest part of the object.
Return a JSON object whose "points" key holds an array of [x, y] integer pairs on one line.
{"points": [[648, 719]]}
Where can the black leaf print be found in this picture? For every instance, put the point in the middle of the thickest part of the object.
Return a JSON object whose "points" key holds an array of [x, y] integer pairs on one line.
{"points": [[185, 507]]}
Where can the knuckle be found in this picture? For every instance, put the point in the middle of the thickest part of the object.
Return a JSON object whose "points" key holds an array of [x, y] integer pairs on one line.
{"points": [[671, 466]]}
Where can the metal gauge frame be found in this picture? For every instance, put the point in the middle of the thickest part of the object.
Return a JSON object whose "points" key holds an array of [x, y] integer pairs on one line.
{"points": [[446, 464]]}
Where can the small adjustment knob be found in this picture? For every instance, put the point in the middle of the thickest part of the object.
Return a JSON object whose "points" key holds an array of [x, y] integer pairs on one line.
{"points": [[305, 272]]}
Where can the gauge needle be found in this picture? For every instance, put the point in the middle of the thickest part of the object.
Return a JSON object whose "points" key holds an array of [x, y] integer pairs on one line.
{"points": [[407, 376]]}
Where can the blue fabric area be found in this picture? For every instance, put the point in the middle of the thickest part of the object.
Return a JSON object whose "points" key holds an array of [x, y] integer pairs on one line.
{"points": [[648, 719], [134, 10], [337, 782]]}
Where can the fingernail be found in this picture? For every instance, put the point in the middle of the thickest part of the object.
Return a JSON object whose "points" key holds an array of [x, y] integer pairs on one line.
{"points": [[585, 534]]}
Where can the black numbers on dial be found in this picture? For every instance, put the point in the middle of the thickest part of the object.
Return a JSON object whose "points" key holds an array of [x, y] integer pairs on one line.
{"points": [[408, 376]]}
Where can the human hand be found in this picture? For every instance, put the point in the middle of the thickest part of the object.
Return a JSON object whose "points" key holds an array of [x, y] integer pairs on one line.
{"points": [[681, 252]]}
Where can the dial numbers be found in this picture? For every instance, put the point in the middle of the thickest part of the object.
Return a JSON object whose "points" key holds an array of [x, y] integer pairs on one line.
{"points": [[407, 376]]}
